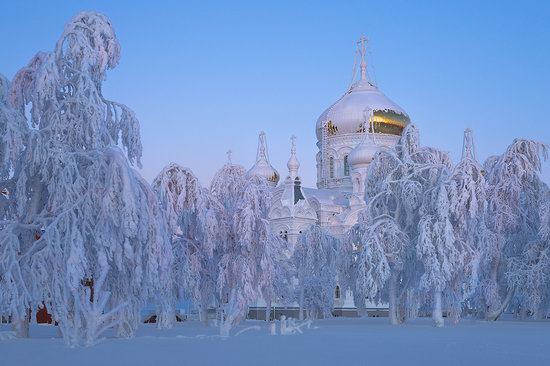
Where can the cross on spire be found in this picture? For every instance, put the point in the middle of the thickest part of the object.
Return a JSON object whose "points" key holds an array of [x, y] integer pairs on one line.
{"points": [[468, 146], [362, 48], [261, 154], [293, 163]]}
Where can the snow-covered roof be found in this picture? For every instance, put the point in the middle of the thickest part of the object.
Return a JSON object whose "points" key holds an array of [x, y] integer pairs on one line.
{"points": [[328, 196]]}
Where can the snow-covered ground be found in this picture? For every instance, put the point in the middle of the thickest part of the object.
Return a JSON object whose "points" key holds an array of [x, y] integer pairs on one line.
{"points": [[341, 341]]}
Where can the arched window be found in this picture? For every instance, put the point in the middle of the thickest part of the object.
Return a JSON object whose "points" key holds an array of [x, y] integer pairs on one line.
{"points": [[346, 166], [337, 292], [331, 166]]}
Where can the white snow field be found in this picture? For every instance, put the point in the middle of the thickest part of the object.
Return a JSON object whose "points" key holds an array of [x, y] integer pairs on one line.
{"points": [[338, 341]]}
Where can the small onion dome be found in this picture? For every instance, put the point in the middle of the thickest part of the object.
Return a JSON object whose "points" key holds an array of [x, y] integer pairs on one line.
{"points": [[362, 155], [293, 164], [263, 169], [347, 115]]}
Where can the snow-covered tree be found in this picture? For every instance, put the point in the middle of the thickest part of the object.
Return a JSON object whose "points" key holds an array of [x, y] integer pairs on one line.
{"points": [[315, 261], [89, 228], [193, 217], [258, 250], [437, 249], [414, 246], [530, 274], [450, 227], [396, 184], [14, 296], [226, 187], [529, 271], [13, 136], [276, 273], [249, 254], [466, 188], [375, 253], [513, 197]]}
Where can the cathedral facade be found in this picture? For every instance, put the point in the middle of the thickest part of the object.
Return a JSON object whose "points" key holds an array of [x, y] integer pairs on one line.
{"points": [[349, 133]]}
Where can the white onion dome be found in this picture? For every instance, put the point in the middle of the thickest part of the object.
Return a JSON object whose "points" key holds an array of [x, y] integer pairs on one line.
{"points": [[293, 164], [347, 115], [262, 167], [362, 155]]}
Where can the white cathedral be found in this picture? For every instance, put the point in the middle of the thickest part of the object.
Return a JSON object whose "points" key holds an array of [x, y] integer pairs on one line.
{"points": [[349, 133]]}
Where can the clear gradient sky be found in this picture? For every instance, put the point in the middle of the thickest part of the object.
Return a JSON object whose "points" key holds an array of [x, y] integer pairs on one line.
{"points": [[205, 77]]}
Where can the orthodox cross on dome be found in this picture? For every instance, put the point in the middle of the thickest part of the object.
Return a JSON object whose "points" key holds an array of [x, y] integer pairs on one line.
{"points": [[362, 48], [468, 147], [262, 153], [229, 152], [293, 163]]}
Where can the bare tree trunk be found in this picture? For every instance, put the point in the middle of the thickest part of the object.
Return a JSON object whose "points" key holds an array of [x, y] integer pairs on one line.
{"points": [[268, 311], [301, 315], [496, 313], [490, 311], [392, 306], [437, 314]]}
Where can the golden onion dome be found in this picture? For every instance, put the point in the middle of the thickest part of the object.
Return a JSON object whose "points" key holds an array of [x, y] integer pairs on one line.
{"points": [[348, 114]]}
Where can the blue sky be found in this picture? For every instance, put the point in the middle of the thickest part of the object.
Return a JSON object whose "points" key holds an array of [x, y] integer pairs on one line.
{"points": [[205, 77]]}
